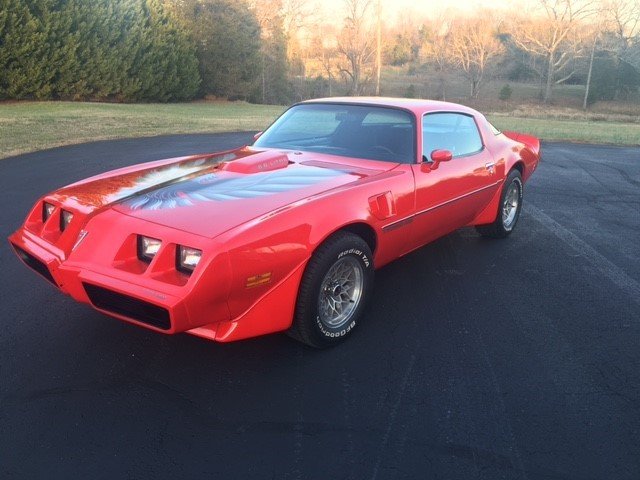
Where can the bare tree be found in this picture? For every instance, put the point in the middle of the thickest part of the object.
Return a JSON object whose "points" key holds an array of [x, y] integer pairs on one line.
{"points": [[296, 14], [473, 44], [623, 17], [554, 36], [298, 17], [597, 36], [291, 15], [356, 44], [437, 49], [324, 44]]}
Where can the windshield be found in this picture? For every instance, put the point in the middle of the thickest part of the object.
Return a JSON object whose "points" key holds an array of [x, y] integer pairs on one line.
{"points": [[370, 132]]}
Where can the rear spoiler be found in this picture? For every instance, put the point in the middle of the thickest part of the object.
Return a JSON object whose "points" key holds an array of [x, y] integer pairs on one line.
{"points": [[533, 143]]}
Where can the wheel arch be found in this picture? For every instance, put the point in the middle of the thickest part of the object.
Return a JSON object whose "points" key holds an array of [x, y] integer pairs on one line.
{"points": [[488, 215], [364, 231], [360, 228], [518, 165]]}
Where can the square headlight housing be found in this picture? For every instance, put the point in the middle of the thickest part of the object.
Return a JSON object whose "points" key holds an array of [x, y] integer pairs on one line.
{"points": [[65, 219], [47, 211], [148, 247], [187, 259]]}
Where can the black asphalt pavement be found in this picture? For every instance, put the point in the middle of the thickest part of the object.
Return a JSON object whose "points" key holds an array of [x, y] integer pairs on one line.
{"points": [[478, 359]]}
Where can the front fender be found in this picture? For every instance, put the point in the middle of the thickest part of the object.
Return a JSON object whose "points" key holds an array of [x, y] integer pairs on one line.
{"points": [[267, 250]]}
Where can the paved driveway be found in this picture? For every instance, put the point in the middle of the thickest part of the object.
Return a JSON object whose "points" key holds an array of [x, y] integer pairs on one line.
{"points": [[477, 359]]}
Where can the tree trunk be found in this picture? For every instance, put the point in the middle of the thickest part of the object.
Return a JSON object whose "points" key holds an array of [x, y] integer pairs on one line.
{"points": [[355, 77], [264, 83], [378, 47], [474, 88], [550, 74], [586, 91]]}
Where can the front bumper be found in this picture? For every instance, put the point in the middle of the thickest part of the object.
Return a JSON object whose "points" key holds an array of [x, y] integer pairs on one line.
{"points": [[198, 307], [135, 303]]}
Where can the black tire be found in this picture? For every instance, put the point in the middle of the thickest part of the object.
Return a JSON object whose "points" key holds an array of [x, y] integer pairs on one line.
{"points": [[341, 249], [501, 227]]}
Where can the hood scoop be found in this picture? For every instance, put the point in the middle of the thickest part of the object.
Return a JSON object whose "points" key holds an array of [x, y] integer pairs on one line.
{"points": [[260, 162]]}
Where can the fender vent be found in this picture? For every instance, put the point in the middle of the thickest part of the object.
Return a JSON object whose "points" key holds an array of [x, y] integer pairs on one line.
{"points": [[129, 307], [37, 265]]}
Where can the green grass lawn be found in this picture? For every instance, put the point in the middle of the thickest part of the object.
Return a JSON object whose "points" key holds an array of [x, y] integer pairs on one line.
{"points": [[583, 131], [30, 126]]}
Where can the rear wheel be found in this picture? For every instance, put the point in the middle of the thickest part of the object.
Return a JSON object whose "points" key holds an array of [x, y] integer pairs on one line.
{"points": [[508, 208], [333, 291]]}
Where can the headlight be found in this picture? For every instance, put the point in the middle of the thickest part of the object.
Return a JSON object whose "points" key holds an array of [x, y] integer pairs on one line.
{"points": [[47, 211], [147, 248], [65, 220], [188, 258]]}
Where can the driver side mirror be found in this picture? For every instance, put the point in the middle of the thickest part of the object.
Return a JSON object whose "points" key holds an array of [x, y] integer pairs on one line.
{"points": [[438, 156]]}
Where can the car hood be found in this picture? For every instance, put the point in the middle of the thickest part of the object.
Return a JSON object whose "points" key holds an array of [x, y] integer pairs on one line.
{"points": [[210, 194]]}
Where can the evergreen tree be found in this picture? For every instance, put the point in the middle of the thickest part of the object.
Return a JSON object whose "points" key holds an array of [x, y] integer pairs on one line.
{"points": [[227, 35], [124, 50], [22, 43]]}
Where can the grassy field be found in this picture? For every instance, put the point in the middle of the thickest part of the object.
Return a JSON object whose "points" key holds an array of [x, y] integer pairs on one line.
{"points": [[30, 126], [573, 130]]}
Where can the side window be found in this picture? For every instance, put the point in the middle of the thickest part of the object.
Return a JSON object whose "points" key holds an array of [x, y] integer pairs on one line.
{"points": [[450, 131]]}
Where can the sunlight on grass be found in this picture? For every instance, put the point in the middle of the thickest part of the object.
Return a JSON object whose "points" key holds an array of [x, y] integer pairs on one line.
{"points": [[31, 126], [571, 130]]}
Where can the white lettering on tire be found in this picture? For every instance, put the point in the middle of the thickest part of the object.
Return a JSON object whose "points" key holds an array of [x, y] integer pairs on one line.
{"points": [[357, 253]]}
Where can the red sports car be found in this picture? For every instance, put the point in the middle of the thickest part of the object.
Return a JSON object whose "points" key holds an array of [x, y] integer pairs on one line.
{"points": [[283, 235]]}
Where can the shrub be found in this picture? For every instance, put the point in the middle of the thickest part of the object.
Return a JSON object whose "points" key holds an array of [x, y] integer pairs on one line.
{"points": [[411, 92], [505, 93]]}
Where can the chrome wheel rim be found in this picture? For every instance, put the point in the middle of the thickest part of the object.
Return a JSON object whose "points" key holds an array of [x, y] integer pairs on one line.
{"points": [[340, 292], [510, 205]]}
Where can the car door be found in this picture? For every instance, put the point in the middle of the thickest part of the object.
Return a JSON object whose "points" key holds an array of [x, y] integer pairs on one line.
{"points": [[450, 194]]}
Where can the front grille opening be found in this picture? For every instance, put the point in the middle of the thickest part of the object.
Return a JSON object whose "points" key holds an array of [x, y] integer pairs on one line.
{"points": [[37, 265], [129, 307]]}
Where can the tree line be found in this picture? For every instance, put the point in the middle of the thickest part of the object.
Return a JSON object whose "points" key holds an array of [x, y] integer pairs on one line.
{"points": [[279, 51], [595, 43], [128, 50], [120, 50]]}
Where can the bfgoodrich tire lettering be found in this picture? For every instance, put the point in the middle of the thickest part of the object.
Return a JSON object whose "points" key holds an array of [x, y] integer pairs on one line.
{"points": [[333, 291]]}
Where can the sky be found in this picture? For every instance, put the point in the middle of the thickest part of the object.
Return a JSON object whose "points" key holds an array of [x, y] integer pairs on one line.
{"points": [[393, 8]]}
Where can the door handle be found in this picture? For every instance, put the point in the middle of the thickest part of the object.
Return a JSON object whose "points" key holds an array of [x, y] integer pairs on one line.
{"points": [[489, 166]]}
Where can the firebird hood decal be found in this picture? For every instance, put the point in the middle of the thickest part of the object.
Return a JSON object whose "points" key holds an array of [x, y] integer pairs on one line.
{"points": [[218, 187], [213, 202], [100, 192], [210, 194]]}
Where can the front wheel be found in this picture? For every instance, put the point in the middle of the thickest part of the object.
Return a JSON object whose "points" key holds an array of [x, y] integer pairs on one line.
{"points": [[333, 291], [508, 209]]}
